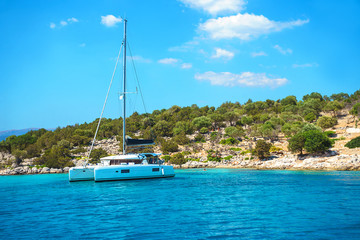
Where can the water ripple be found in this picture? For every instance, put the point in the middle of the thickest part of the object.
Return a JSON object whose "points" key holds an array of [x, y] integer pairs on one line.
{"points": [[216, 204]]}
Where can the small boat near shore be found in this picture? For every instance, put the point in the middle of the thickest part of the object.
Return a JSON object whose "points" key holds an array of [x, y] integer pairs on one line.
{"points": [[124, 166]]}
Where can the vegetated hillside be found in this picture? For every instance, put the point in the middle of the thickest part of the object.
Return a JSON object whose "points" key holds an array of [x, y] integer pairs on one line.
{"points": [[189, 130]]}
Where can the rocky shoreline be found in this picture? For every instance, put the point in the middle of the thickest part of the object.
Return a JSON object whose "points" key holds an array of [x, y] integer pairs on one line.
{"points": [[288, 162], [24, 170]]}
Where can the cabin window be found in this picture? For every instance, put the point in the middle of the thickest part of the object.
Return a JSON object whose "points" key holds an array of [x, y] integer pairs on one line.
{"points": [[125, 161], [125, 170], [155, 169]]}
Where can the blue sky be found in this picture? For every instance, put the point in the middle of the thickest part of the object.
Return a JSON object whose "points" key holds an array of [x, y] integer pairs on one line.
{"points": [[57, 57]]}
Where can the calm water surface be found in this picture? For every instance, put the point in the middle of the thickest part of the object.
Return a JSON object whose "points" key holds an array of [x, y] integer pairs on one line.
{"points": [[196, 204]]}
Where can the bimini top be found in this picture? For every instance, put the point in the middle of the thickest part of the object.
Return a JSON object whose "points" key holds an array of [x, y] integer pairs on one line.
{"points": [[138, 142]]}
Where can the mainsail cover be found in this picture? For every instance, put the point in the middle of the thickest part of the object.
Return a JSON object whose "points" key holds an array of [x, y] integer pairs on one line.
{"points": [[138, 142]]}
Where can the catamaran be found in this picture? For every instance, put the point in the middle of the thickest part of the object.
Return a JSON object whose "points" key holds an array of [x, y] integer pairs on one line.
{"points": [[124, 166]]}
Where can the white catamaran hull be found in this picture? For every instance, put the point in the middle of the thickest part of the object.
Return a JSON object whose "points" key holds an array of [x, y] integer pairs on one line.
{"points": [[127, 172], [81, 174]]}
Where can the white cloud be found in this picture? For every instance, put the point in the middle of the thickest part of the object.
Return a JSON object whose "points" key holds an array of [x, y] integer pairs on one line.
{"points": [[244, 26], [222, 53], [168, 61], [305, 65], [175, 62], [110, 20], [188, 46], [245, 79], [283, 51], [63, 23], [140, 59], [71, 20], [186, 65], [82, 45], [258, 54], [216, 6]]}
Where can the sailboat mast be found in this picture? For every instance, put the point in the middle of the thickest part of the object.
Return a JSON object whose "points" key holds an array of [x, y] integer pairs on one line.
{"points": [[124, 94]]}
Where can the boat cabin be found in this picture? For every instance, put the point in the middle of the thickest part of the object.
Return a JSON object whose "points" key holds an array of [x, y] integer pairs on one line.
{"points": [[132, 159]]}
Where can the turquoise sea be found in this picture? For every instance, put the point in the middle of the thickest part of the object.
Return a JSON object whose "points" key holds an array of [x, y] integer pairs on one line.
{"points": [[196, 204]]}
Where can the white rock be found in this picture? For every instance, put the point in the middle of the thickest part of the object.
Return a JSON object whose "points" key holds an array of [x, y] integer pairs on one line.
{"points": [[353, 130], [45, 170]]}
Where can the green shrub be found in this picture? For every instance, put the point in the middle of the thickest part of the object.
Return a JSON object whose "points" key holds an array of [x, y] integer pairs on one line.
{"points": [[181, 139], [204, 130], [166, 158], [214, 156], [246, 120], [262, 149], [193, 159], [199, 138], [316, 141], [310, 117], [229, 141], [33, 150], [296, 143], [19, 155], [354, 143], [310, 126], [245, 152], [326, 122], [340, 138], [169, 146], [228, 157], [355, 110], [56, 157], [178, 159], [186, 153], [312, 141], [330, 133], [264, 117], [162, 128], [96, 154], [78, 150], [214, 136], [235, 149], [201, 122], [183, 127], [234, 132], [275, 149], [22, 141]]}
